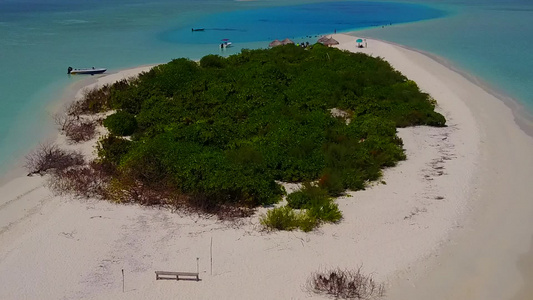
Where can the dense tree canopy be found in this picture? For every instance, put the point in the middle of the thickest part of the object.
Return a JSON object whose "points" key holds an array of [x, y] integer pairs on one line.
{"points": [[227, 129]]}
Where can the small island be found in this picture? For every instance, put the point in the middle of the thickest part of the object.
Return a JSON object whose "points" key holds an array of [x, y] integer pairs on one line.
{"points": [[219, 136], [269, 173]]}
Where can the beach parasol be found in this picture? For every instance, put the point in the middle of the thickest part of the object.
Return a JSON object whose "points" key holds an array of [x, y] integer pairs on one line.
{"points": [[330, 42], [287, 41], [359, 40], [275, 43], [322, 39]]}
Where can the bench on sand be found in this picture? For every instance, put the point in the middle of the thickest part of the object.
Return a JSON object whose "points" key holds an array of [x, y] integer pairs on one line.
{"points": [[164, 274]]}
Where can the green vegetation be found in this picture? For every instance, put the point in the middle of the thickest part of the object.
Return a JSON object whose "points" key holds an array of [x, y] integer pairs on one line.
{"points": [[221, 132], [121, 123], [286, 218], [316, 207], [318, 203], [281, 218]]}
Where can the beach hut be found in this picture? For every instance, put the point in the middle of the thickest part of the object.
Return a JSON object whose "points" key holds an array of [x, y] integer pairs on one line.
{"points": [[322, 39], [330, 42], [275, 43], [287, 41]]}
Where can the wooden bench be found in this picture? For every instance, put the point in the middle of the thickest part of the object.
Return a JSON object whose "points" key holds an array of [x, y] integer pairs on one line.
{"points": [[164, 274]]}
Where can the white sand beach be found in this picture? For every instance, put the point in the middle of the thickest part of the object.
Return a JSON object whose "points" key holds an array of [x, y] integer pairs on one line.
{"points": [[450, 222]]}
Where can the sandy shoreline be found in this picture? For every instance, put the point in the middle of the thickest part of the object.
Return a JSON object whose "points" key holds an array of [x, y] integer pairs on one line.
{"points": [[463, 189], [481, 260], [522, 117]]}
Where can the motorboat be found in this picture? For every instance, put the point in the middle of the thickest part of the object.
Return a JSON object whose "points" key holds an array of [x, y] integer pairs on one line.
{"points": [[225, 43], [87, 71]]}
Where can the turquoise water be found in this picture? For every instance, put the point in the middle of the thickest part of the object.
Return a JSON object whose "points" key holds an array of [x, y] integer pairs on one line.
{"points": [[40, 39], [489, 39]]}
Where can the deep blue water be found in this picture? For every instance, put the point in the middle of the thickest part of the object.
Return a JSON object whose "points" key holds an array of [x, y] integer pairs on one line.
{"points": [[297, 21], [40, 39]]}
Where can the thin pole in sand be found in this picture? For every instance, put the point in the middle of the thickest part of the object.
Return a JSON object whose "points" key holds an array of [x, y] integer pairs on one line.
{"points": [[197, 269], [211, 253], [123, 280]]}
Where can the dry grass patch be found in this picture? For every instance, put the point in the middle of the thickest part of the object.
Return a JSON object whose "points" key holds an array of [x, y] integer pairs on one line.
{"points": [[345, 284]]}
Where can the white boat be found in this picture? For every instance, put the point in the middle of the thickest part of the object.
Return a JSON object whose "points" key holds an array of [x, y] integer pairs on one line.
{"points": [[88, 71], [225, 43]]}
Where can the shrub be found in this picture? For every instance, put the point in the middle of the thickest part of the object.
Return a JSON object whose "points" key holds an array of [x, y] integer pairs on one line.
{"points": [[125, 189], [93, 101], [307, 222], [280, 218], [307, 197], [212, 61], [316, 205], [297, 199], [332, 182], [319, 206], [82, 181], [327, 211], [435, 119], [49, 156], [345, 284], [121, 123], [203, 205], [128, 95], [111, 149], [285, 218], [81, 131], [75, 128]]}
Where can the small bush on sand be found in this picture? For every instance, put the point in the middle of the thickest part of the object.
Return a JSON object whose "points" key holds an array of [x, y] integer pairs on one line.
{"points": [[326, 212], [280, 218], [286, 218], [81, 181], [307, 197], [319, 206], [297, 199], [307, 222], [345, 284], [93, 101], [47, 157], [81, 131], [76, 129]]}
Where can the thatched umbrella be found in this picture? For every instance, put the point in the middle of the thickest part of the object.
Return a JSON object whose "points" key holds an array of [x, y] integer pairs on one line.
{"points": [[330, 42], [322, 39], [287, 41], [275, 43]]}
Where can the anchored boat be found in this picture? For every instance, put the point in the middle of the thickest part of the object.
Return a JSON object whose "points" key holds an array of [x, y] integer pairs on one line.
{"points": [[225, 44], [88, 71]]}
